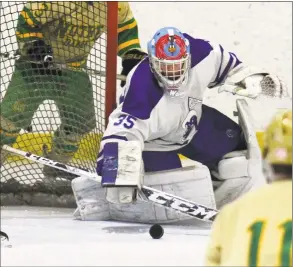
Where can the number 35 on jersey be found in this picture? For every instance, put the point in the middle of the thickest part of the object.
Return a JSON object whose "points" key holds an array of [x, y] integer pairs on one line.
{"points": [[127, 121]]}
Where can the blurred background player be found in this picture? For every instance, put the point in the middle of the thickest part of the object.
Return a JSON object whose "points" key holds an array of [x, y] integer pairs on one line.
{"points": [[162, 115], [256, 230], [63, 33]]}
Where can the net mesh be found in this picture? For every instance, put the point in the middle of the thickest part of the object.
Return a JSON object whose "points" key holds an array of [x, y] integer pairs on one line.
{"points": [[272, 86], [56, 110]]}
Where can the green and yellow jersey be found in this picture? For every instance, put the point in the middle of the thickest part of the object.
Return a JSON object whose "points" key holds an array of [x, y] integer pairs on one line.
{"points": [[72, 28], [255, 230]]}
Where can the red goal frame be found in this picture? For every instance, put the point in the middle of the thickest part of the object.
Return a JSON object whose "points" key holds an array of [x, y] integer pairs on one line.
{"points": [[111, 58]]}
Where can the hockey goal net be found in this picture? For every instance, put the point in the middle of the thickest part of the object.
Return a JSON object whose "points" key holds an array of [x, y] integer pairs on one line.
{"points": [[64, 104]]}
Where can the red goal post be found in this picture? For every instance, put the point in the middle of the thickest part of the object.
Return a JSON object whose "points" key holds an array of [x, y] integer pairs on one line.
{"points": [[111, 60], [22, 182]]}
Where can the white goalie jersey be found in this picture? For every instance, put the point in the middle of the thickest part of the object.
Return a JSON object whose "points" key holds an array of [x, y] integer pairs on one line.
{"points": [[164, 123]]}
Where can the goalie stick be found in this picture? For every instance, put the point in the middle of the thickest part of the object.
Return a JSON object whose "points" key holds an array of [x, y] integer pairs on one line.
{"points": [[4, 236], [158, 197], [5, 240], [16, 55]]}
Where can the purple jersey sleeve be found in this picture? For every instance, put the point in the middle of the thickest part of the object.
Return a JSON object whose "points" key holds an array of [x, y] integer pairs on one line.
{"points": [[224, 61], [199, 49], [143, 93]]}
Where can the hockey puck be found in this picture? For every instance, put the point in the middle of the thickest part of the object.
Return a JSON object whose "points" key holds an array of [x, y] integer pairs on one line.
{"points": [[156, 231]]}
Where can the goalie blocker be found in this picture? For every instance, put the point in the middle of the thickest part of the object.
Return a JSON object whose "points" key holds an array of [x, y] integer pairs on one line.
{"points": [[237, 173], [123, 167]]}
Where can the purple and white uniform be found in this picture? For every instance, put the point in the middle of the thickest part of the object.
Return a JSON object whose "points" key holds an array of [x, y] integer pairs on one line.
{"points": [[162, 123]]}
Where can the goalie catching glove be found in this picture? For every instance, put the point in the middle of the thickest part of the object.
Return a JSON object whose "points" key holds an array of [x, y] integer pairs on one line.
{"points": [[40, 55], [249, 82], [122, 171]]}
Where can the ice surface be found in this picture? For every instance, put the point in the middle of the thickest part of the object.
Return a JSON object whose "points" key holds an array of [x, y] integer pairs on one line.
{"points": [[49, 237]]}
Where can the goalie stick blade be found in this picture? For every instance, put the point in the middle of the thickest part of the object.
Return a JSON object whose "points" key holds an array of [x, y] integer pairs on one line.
{"points": [[179, 204], [5, 240], [4, 236]]}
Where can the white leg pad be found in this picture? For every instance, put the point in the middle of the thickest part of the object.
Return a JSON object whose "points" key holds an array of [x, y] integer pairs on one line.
{"points": [[90, 199], [233, 165], [238, 175], [192, 183], [241, 171]]}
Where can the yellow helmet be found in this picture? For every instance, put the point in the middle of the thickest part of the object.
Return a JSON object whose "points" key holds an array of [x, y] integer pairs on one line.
{"points": [[278, 139]]}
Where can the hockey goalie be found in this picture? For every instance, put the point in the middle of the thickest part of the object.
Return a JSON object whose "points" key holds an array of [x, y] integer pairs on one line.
{"points": [[161, 116]]}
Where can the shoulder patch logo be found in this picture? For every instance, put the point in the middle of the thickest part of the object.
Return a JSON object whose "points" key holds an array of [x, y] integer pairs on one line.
{"points": [[193, 102]]}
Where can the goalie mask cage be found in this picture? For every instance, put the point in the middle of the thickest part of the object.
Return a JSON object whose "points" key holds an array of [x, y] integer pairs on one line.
{"points": [[36, 114]]}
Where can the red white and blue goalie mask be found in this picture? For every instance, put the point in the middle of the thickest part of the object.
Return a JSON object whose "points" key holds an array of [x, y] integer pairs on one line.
{"points": [[169, 56]]}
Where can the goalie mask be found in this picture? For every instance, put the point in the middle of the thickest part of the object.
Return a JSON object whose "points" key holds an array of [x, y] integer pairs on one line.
{"points": [[169, 56]]}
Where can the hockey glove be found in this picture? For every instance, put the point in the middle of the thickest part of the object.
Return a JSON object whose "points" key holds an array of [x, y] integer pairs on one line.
{"points": [[40, 53], [40, 56], [129, 60], [258, 84], [122, 171], [252, 86]]}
